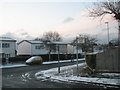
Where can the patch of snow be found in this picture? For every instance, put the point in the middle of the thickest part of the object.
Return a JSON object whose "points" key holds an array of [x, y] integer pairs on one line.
{"points": [[7, 39], [12, 65], [53, 75], [51, 62], [53, 71], [111, 74]]}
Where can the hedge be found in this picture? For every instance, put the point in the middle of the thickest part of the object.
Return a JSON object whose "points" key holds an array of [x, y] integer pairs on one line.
{"points": [[54, 57], [91, 60]]}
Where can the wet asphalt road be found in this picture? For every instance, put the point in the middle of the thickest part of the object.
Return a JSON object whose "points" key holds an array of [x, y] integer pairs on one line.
{"points": [[24, 77]]}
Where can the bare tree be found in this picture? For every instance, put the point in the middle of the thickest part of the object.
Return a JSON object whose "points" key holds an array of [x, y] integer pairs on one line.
{"points": [[48, 38], [85, 42], [38, 39], [109, 7], [52, 36]]}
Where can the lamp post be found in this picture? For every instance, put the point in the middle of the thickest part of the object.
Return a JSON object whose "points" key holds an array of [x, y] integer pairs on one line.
{"points": [[77, 54], [85, 47], [119, 31], [107, 31], [58, 61]]}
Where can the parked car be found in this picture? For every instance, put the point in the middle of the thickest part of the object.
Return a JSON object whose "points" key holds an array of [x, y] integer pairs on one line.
{"points": [[34, 60]]}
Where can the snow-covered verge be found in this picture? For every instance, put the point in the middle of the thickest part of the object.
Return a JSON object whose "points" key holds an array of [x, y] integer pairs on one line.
{"points": [[9, 65], [67, 74], [12, 65], [62, 61]]}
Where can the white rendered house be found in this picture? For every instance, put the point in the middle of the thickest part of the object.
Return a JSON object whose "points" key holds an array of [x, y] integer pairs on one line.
{"points": [[36, 47], [62, 47], [31, 47], [7, 47]]}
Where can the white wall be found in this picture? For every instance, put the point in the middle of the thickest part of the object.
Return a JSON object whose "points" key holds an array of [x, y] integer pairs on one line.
{"points": [[70, 49], [38, 51], [10, 50], [63, 48], [24, 48]]}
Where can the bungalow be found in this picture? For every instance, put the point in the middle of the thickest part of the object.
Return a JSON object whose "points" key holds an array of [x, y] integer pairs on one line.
{"points": [[62, 47], [31, 47], [36, 47], [7, 47]]}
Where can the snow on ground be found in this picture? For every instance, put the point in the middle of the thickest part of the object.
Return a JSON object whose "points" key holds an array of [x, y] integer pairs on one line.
{"points": [[53, 73], [67, 74], [51, 62], [111, 74], [9, 65], [12, 65]]}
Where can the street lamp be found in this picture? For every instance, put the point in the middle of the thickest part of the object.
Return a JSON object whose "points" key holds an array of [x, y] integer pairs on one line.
{"points": [[118, 31], [107, 31], [85, 47], [77, 53], [58, 60]]}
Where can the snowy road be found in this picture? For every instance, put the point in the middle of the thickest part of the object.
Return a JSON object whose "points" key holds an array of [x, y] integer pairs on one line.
{"points": [[24, 77]]}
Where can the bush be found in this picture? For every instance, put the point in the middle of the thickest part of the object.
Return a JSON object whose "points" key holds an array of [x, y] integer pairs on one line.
{"points": [[23, 58], [91, 60], [3, 60]]}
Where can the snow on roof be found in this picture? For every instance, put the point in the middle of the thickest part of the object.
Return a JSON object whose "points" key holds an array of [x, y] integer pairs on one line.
{"points": [[35, 41], [6, 39], [38, 42], [31, 41], [60, 42]]}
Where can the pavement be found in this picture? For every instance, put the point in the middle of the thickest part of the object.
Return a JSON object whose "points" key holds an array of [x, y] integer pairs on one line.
{"points": [[69, 74]]}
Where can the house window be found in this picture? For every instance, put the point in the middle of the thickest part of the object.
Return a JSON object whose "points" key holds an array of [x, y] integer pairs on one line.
{"points": [[6, 55], [39, 47], [5, 45], [63, 47]]}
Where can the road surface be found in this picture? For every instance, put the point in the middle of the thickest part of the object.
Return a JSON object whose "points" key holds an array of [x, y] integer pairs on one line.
{"points": [[24, 77]]}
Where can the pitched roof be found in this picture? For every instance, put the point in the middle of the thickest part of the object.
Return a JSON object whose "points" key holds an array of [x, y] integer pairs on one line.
{"points": [[34, 41], [39, 42], [31, 41], [60, 43], [6, 39]]}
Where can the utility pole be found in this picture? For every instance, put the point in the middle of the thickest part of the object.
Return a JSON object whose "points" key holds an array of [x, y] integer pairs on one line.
{"points": [[77, 54], [118, 32], [107, 31], [58, 60], [49, 51], [85, 43]]}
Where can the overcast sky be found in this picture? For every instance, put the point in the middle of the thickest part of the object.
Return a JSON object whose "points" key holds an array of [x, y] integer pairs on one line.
{"points": [[28, 19]]}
